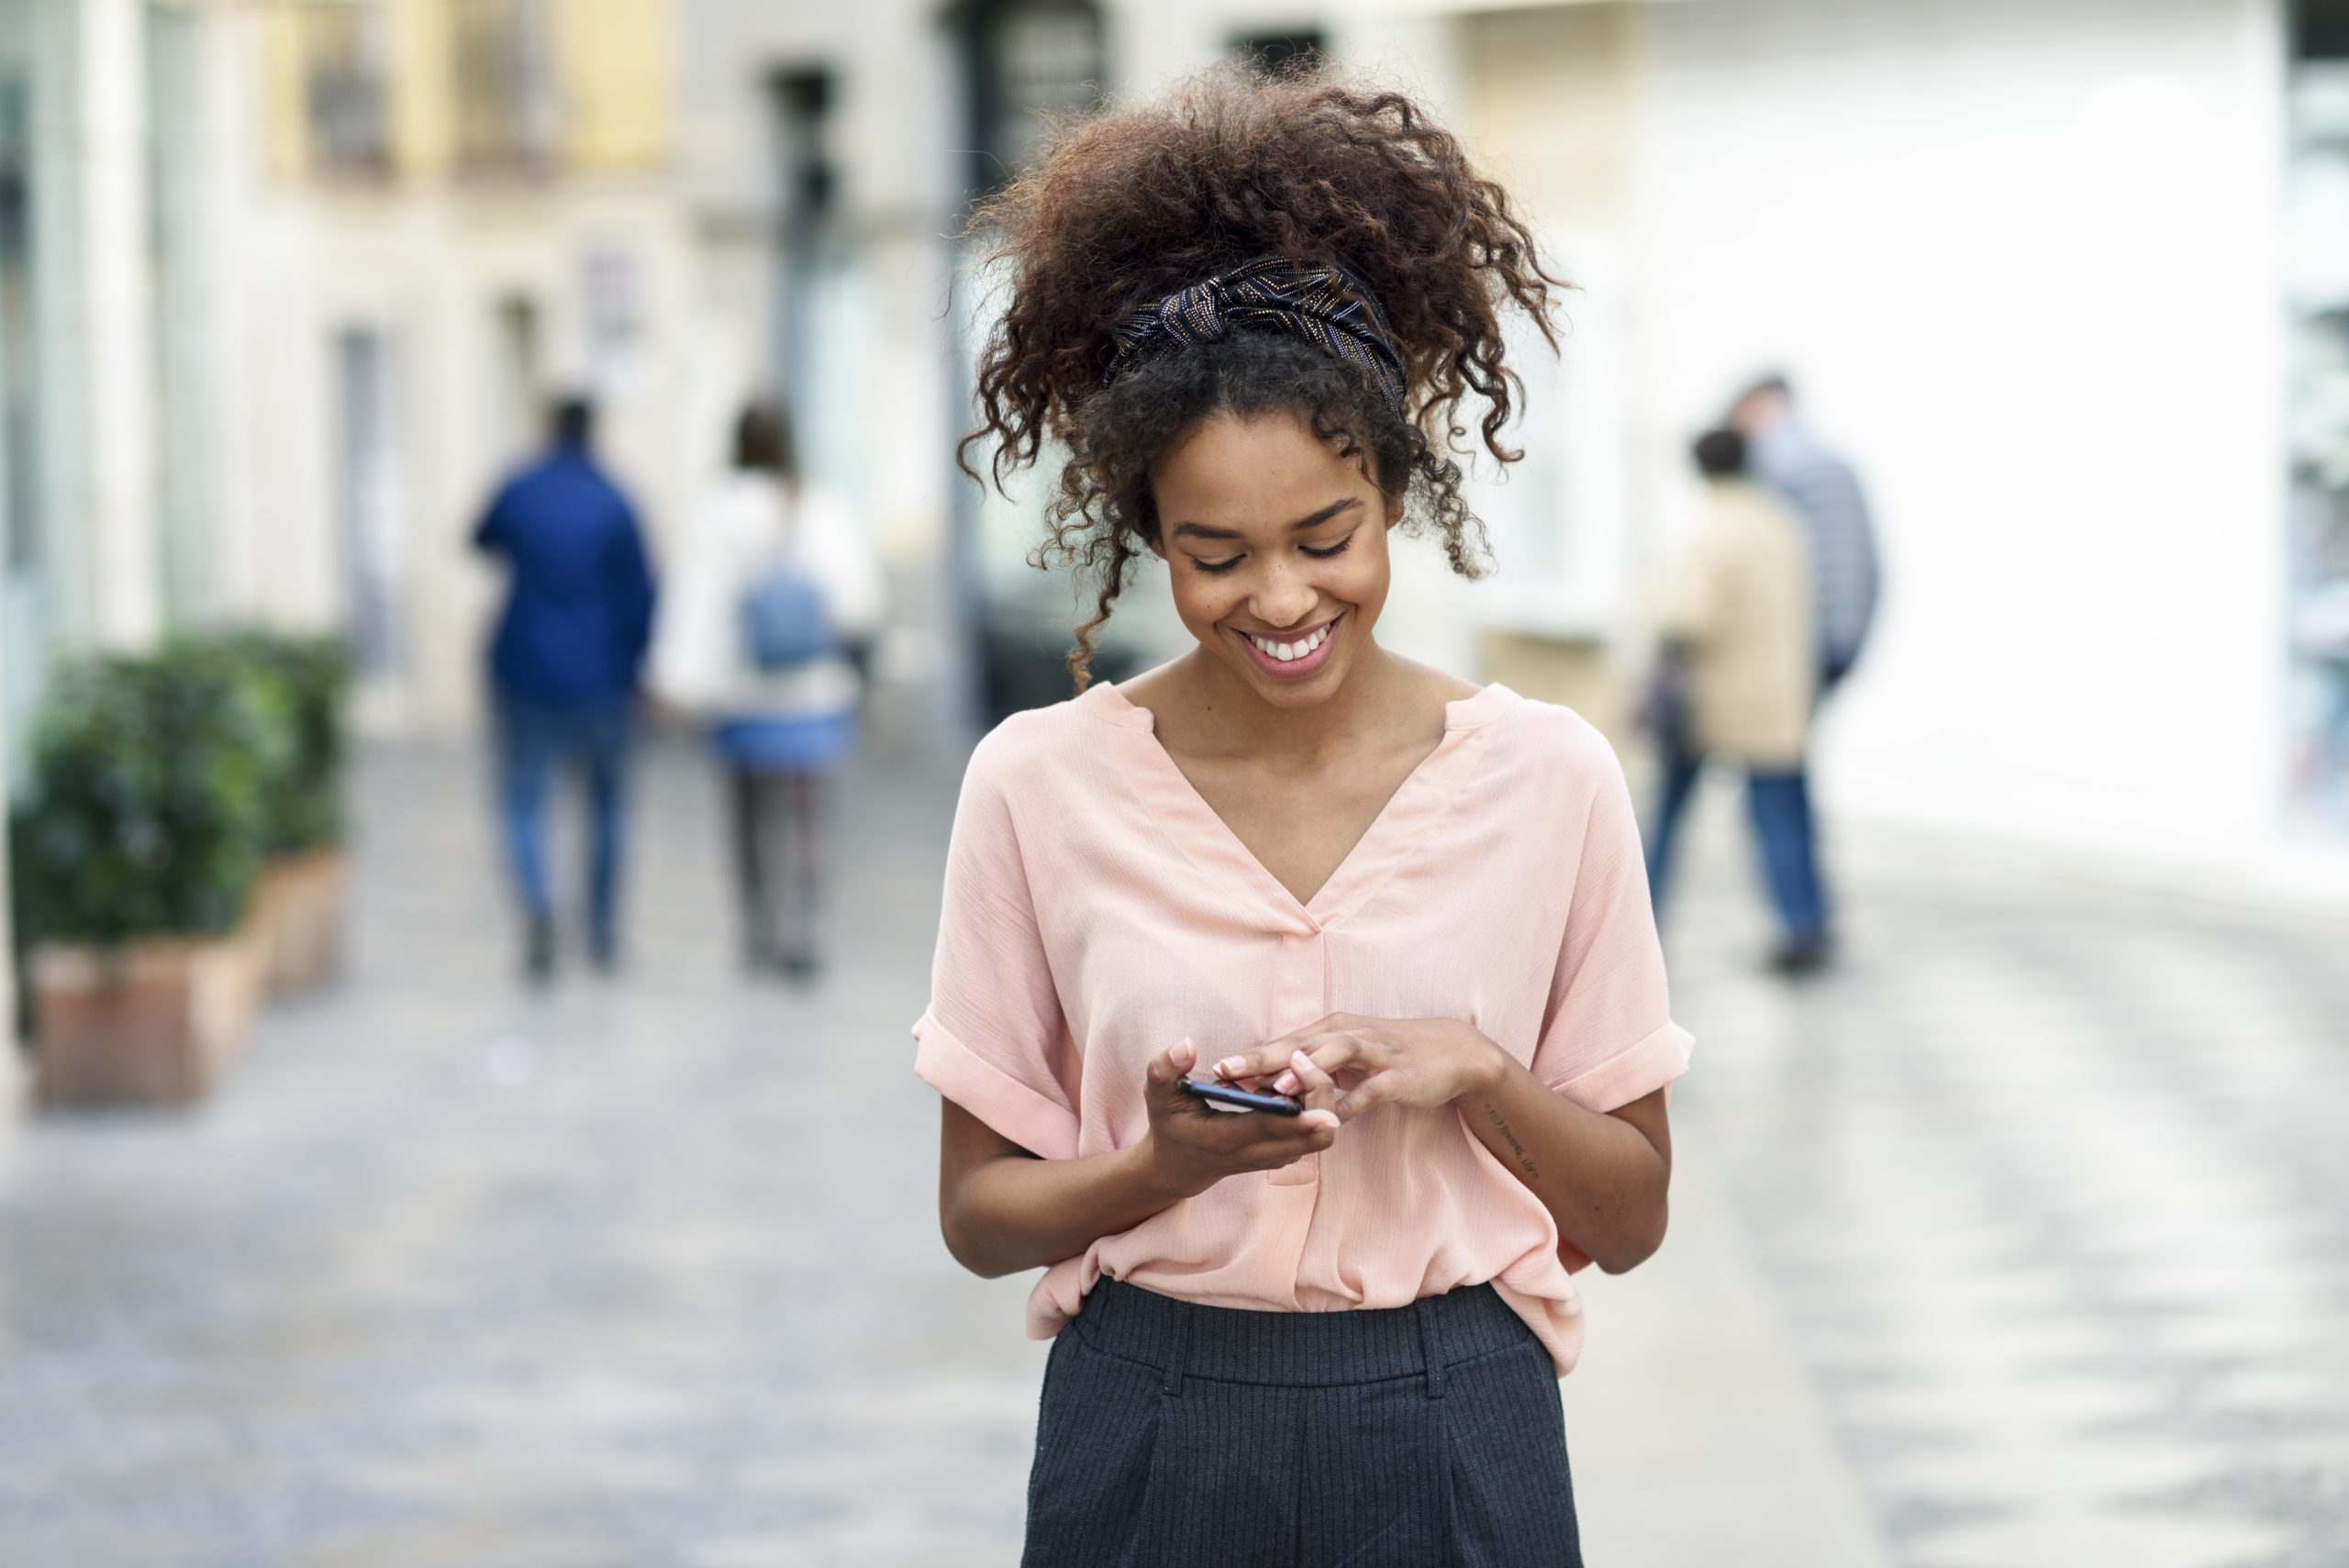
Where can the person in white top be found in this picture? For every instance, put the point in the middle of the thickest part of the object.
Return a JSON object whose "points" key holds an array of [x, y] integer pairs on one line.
{"points": [[778, 726]]}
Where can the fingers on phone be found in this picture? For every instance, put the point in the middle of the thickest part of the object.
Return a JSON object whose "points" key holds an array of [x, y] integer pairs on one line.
{"points": [[1306, 1080], [1260, 1063]]}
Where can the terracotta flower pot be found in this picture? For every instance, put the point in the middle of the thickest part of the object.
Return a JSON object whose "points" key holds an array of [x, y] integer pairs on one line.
{"points": [[150, 1023], [297, 909]]}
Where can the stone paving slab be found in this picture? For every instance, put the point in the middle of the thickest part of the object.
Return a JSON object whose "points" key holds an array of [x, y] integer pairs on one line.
{"points": [[2016, 1240], [2047, 1181], [1695, 1434], [642, 1273]]}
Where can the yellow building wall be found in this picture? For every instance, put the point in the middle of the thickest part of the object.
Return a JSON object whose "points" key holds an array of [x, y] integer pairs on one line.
{"points": [[613, 62], [1549, 99], [285, 139], [423, 98], [1551, 96], [614, 59]]}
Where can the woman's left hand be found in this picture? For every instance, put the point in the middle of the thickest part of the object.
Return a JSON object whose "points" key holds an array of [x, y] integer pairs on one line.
{"points": [[1373, 1062]]}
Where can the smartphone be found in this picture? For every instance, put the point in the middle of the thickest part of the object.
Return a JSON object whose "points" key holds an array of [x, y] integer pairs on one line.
{"points": [[1225, 1093]]}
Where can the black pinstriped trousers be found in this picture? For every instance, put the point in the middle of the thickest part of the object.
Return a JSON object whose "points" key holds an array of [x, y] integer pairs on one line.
{"points": [[1175, 1435]]}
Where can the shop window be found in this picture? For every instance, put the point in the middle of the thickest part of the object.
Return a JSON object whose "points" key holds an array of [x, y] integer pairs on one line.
{"points": [[2320, 29], [344, 89], [19, 444], [2317, 291], [507, 106], [1276, 54], [1026, 63], [367, 500]]}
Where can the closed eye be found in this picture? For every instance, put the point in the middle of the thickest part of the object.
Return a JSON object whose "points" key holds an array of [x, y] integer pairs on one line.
{"points": [[1224, 565], [1326, 551]]}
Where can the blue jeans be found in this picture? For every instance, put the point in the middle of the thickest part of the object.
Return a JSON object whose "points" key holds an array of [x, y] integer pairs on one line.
{"points": [[532, 738], [1779, 805]]}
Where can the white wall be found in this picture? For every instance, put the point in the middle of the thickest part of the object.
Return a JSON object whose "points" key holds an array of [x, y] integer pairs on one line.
{"points": [[896, 131], [891, 135], [117, 303], [427, 269], [2018, 257]]}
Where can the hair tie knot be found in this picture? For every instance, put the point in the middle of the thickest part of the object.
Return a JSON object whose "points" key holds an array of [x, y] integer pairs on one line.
{"points": [[1326, 305]]}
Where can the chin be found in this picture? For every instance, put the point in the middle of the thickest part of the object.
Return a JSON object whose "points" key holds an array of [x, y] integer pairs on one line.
{"points": [[1311, 693]]}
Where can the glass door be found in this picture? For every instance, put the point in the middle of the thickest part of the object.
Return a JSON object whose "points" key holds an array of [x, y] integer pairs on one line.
{"points": [[24, 614]]}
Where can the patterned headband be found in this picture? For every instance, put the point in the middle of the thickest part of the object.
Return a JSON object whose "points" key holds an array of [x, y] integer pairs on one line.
{"points": [[1328, 307]]}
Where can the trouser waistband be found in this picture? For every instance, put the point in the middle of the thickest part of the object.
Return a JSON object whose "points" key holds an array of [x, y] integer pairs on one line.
{"points": [[1297, 1349]]}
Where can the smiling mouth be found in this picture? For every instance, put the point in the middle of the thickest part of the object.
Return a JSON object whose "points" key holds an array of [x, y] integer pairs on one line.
{"points": [[1297, 654]]}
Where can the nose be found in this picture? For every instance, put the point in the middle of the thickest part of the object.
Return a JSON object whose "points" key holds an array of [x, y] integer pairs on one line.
{"points": [[1283, 597]]}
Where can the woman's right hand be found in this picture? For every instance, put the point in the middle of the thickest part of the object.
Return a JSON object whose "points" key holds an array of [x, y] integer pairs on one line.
{"points": [[1003, 1209], [1193, 1145]]}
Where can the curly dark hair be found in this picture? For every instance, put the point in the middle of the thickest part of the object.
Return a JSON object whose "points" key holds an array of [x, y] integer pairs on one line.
{"points": [[1130, 205]]}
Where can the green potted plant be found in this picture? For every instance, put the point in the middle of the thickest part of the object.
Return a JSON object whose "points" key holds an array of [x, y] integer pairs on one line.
{"points": [[133, 867], [299, 901]]}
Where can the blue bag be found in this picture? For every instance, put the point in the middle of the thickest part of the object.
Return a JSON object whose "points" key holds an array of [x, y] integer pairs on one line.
{"points": [[814, 743], [786, 622]]}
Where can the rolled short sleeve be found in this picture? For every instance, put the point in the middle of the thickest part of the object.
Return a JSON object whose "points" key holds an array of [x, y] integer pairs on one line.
{"points": [[992, 1038], [1608, 1038]]}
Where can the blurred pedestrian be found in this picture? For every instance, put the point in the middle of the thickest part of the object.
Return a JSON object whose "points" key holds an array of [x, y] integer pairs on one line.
{"points": [[773, 597], [1400, 916], [1735, 679], [1785, 458], [564, 670]]}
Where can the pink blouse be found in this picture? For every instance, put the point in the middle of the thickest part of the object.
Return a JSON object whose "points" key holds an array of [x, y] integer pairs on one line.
{"points": [[1097, 910]]}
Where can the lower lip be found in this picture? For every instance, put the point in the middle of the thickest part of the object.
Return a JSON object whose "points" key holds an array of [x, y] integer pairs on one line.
{"points": [[1296, 669]]}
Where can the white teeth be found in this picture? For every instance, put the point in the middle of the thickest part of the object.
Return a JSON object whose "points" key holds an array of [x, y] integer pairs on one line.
{"points": [[1289, 652]]}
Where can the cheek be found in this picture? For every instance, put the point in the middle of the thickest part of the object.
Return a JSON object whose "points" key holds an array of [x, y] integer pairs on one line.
{"points": [[1200, 598], [1367, 572]]}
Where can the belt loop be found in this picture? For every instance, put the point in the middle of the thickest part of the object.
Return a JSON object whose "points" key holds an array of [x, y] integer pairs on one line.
{"points": [[1430, 1346], [1178, 1351]]}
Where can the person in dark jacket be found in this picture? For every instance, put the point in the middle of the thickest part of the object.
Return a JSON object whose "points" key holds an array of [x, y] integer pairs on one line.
{"points": [[564, 668]]}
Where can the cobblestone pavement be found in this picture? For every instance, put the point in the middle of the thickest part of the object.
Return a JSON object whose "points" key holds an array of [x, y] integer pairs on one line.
{"points": [[640, 1273], [2044, 1190], [2051, 1185]]}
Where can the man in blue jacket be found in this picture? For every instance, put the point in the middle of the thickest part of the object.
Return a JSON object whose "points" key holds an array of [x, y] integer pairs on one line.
{"points": [[563, 667]]}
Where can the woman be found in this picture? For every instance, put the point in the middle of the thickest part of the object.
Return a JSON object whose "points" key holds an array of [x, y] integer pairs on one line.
{"points": [[779, 730], [1291, 861]]}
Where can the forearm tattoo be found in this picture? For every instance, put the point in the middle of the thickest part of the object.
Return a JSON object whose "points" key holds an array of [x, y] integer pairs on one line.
{"points": [[1524, 1161]]}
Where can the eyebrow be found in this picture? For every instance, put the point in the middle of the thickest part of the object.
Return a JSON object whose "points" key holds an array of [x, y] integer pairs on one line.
{"points": [[1313, 520]]}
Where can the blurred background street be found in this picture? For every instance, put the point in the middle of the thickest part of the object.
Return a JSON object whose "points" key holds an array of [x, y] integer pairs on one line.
{"points": [[363, 1203], [1990, 1254]]}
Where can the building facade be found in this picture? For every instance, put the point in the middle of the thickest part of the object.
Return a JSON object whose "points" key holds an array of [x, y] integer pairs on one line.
{"points": [[2021, 260], [283, 287], [283, 282]]}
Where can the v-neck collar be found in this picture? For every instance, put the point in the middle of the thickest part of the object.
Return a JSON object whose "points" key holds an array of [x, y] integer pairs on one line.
{"points": [[1208, 840]]}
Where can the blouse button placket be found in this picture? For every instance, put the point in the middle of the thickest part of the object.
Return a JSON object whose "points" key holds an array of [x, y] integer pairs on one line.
{"points": [[1300, 996]]}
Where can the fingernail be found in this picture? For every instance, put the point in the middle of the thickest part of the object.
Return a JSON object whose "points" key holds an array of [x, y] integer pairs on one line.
{"points": [[1230, 1066], [1285, 1084]]}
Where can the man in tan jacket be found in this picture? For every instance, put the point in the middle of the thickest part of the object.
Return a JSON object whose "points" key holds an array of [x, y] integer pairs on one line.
{"points": [[1736, 680]]}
